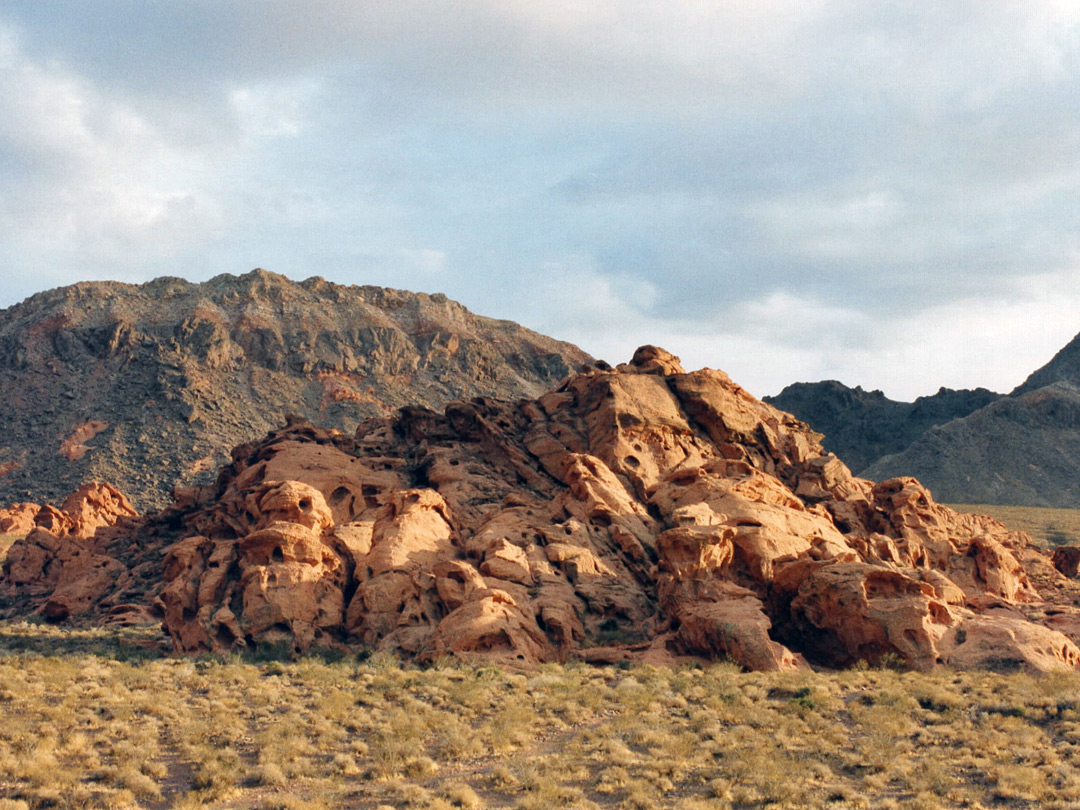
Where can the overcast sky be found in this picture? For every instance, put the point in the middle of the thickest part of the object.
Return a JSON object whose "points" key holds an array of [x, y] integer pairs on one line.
{"points": [[887, 194]]}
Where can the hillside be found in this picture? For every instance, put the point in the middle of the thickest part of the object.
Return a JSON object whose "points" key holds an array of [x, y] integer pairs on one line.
{"points": [[862, 426], [1063, 367], [1021, 450], [148, 386]]}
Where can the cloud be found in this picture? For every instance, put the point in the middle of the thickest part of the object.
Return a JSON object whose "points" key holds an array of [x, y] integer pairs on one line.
{"points": [[273, 109], [782, 189], [91, 180], [778, 338]]}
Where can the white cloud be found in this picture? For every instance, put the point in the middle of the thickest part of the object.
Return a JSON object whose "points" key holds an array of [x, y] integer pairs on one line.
{"points": [[273, 109], [92, 179], [967, 343], [769, 342], [786, 190], [427, 261]]}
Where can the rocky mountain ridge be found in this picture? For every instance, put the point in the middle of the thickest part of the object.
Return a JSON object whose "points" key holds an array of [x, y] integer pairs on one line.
{"points": [[1064, 366], [149, 386], [863, 426], [637, 512], [1022, 449], [1019, 449]]}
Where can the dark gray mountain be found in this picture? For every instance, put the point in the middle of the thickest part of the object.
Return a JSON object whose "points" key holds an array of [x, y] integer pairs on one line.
{"points": [[147, 386], [1063, 367], [1023, 449], [862, 426]]}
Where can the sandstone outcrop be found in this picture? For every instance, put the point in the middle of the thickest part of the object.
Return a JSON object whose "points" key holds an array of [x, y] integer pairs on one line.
{"points": [[639, 511], [1066, 559], [18, 519], [61, 559]]}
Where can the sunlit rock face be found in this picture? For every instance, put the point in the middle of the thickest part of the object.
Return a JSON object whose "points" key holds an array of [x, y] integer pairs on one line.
{"points": [[639, 512]]}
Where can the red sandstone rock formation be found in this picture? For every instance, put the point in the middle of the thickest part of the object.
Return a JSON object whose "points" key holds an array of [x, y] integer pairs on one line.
{"points": [[632, 512], [629, 510], [1066, 559], [75, 446], [18, 519], [62, 558]]}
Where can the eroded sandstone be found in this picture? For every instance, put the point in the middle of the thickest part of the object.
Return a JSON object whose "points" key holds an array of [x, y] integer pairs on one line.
{"points": [[62, 558], [640, 511]]}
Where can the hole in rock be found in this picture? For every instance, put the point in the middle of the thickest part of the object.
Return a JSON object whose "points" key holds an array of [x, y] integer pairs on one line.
{"points": [[224, 637], [277, 555]]}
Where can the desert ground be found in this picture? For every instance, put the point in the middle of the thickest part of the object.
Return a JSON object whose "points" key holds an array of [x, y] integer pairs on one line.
{"points": [[107, 718]]}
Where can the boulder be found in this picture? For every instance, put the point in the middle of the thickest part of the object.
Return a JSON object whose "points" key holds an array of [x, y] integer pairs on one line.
{"points": [[18, 519], [859, 611], [283, 583], [1003, 642], [61, 567], [1066, 559]]}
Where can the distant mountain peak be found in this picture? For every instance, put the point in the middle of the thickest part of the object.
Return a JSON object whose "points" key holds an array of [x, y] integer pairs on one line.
{"points": [[1063, 366], [862, 426]]}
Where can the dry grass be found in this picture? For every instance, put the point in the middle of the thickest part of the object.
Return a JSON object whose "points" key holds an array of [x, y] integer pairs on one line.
{"points": [[83, 729], [1047, 527]]}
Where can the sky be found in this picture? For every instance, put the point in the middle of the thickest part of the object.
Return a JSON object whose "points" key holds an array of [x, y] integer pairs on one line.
{"points": [[887, 194]]}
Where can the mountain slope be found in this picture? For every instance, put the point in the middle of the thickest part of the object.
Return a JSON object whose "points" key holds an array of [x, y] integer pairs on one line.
{"points": [[1063, 367], [862, 426], [1022, 450], [149, 385]]}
